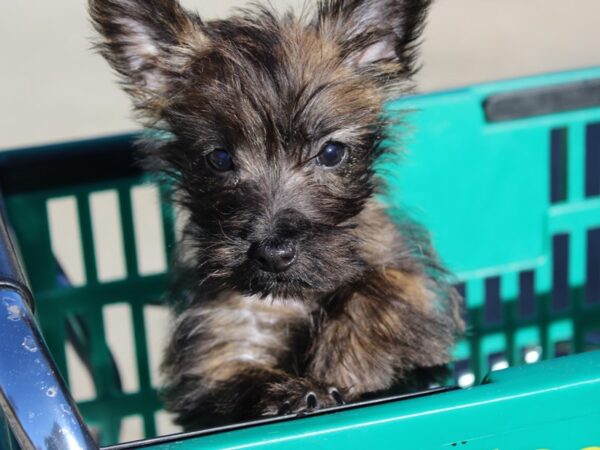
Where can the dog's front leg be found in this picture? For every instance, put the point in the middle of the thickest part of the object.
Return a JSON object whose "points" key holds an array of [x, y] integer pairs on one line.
{"points": [[393, 325], [238, 358]]}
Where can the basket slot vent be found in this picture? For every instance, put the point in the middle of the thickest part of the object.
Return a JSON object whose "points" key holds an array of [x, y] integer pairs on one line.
{"points": [[497, 361], [119, 337], [527, 300], [560, 272], [65, 237], [149, 230], [561, 338], [558, 165], [592, 160], [108, 236], [563, 348], [493, 301], [165, 425], [461, 288], [531, 354], [592, 293], [592, 340], [81, 383], [157, 323], [132, 429], [463, 373]]}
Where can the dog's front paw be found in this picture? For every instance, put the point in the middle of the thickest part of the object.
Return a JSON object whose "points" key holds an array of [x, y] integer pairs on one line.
{"points": [[299, 396], [310, 401]]}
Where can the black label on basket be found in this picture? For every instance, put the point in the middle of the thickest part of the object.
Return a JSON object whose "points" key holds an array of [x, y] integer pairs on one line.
{"points": [[540, 101]]}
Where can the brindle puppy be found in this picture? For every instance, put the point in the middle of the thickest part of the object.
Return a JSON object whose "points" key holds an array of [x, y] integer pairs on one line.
{"points": [[303, 293]]}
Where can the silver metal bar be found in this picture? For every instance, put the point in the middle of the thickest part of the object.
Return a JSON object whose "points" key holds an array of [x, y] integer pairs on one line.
{"points": [[33, 396]]}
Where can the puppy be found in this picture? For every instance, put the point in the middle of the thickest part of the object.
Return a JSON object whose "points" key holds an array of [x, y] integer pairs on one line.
{"points": [[302, 293]]}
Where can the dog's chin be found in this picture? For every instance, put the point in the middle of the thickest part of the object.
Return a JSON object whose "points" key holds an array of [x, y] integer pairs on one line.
{"points": [[297, 283], [280, 286]]}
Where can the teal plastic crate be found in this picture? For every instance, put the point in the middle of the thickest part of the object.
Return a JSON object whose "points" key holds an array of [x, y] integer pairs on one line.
{"points": [[505, 175]]}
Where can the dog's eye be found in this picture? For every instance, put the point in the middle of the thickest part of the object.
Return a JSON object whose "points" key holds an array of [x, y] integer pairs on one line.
{"points": [[332, 154], [219, 160]]}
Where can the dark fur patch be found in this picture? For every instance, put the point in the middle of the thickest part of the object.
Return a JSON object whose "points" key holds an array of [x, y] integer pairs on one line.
{"points": [[365, 303]]}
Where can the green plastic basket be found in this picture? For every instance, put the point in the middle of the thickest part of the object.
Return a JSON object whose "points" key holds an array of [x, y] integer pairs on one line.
{"points": [[506, 176]]}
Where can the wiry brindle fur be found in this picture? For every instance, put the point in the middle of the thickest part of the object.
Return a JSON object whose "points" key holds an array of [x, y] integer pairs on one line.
{"points": [[360, 303]]}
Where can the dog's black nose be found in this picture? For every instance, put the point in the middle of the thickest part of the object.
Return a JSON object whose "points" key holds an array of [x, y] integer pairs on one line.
{"points": [[274, 256]]}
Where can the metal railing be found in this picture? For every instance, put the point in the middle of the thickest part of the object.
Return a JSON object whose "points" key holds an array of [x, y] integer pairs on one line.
{"points": [[34, 400]]}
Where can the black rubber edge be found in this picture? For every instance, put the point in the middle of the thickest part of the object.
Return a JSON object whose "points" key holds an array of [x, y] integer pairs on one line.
{"points": [[65, 164], [271, 420], [541, 101]]}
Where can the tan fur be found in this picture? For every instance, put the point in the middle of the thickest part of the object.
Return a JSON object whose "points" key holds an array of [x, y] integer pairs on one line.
{"points": [[235, 330], [366, 365]]}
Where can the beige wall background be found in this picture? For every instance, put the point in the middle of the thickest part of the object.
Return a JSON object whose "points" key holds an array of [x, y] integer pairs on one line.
{"points": [[52, 86]]}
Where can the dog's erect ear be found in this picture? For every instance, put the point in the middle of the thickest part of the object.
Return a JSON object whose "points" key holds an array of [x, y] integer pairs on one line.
{"points": [[149, 42], [375, 33]]}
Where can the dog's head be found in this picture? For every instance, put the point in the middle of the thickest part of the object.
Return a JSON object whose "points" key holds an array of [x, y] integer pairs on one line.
{"points": [[275, 123]]}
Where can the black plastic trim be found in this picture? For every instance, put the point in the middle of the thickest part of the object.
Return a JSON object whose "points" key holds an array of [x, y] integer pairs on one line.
{"points": [[533, 102], [59, 165]]}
